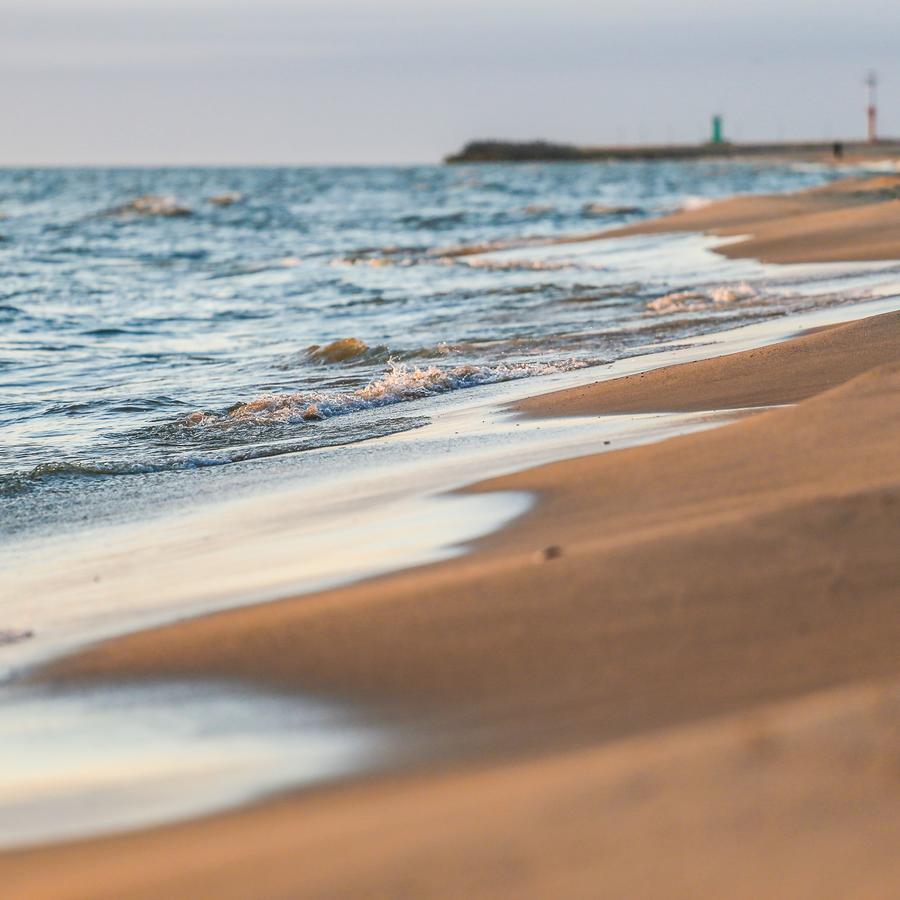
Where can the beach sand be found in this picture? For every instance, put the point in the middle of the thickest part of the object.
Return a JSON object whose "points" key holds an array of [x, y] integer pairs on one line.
{"points": [[857, 219], [851, 220], [677, 676]]}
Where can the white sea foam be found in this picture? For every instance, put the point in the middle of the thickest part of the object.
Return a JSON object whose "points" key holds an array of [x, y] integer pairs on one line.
{"points": [[528, 265], [697, 300], [732, 293], [399, 383], [690, 203]]}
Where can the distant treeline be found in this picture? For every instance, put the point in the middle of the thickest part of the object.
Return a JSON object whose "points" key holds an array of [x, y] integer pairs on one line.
{"points": [[545, 151]]}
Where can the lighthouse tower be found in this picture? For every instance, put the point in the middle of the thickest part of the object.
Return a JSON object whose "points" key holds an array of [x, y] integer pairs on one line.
{"points": [[872, 110]]}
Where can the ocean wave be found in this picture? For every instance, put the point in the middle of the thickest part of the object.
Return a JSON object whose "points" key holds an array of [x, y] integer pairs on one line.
{"points": [[602, 210], [434, 222], [443, 253], [13, 484], [529, 265], [377, 257], [619, 293], [701, 299], [150, 206], [373, 262], [229, 198], [110, 332], [478, 256], [690, 203], [256, 268], [338, 351], [351, 352], [400, 383], [245, 441], [63, 467]]}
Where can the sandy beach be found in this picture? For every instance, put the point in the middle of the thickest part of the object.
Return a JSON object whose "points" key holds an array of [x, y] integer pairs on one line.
{"points": [[676, 676], [855, 219]]}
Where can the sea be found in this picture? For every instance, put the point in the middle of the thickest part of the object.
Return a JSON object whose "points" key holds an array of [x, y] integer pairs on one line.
{"points": [[166, 321]]}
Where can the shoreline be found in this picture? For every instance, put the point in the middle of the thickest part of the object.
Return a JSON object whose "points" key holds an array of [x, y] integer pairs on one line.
{"points": [[850, 220], [137, 653], [730, 591], [250, 518], [685, 657]]}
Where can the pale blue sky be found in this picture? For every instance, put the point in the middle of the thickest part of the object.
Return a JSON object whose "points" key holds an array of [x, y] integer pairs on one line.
{"points": [[233, 81]]}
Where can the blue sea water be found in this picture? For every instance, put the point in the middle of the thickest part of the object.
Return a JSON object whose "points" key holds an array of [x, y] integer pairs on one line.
{"points": [[246, 313]]}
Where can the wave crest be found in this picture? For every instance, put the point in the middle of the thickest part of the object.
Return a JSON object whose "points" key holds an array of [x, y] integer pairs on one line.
{"points": [[702, 299], [151, 205], [338, 351], [401, 382]]}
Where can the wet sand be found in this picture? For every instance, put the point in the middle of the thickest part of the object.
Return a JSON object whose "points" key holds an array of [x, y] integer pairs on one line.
{"points": [[851, 220], [791, 801], [611, 710], [768, 376], [855, 219]]}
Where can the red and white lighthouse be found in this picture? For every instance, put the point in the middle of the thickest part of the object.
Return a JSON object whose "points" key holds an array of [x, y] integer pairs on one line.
{"points": [[872, 110]]}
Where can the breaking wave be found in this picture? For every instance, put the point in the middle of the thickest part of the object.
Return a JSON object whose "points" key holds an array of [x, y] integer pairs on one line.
{"points": [[400, 383], [698, 300], [354, 352], [243, 442], [690, 203], [530, 265], [338, 351], [262, 427]]}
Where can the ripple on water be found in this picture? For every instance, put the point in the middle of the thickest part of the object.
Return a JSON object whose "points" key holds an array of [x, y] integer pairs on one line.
{"points": [[269, 300]]}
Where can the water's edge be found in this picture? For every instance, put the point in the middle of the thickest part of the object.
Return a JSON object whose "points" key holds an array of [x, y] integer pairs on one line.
{"points": [[218, 746]]}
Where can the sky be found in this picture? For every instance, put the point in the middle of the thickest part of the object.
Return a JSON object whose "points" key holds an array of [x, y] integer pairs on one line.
{"points": [[354, 81]]}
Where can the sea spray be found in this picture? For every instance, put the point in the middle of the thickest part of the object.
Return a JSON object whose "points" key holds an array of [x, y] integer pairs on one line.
{"points": [[399, 383]]}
